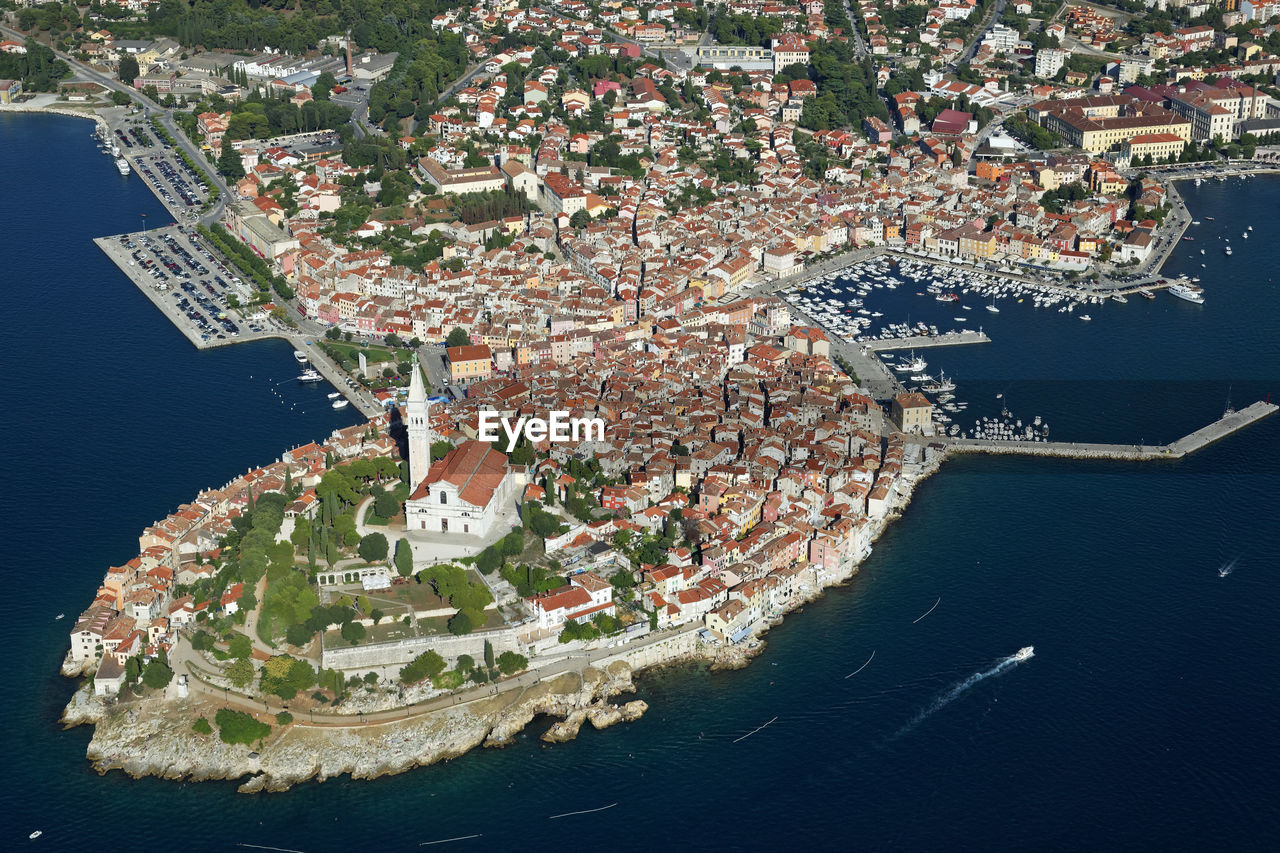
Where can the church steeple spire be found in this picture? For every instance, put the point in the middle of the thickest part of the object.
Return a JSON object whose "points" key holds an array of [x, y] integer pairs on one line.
{"points": [[418, 415]]}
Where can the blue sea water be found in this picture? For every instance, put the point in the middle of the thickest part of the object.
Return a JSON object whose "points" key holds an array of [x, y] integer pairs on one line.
{"points": [[1146, 719]]}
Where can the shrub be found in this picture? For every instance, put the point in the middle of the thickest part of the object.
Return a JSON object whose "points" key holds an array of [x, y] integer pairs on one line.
{"points": [[284, 718], [238, 727], [202, 727], [426, 665], [373, 547], [510, 662]]}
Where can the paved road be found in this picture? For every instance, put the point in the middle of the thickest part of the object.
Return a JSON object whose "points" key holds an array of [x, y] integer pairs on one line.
{"points": [[151, 108], [997, 9]]}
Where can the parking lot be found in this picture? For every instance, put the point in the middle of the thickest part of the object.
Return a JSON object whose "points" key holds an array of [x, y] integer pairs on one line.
{"points": [[189, 279], [176, 183]]}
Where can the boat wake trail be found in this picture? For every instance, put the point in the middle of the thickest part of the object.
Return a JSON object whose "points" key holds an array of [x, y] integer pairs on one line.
{"points": [[861, 668], [927, 612], [1228, 568], [955, 692]]}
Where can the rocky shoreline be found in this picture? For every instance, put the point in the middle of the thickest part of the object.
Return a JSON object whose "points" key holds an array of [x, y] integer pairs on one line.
{"points": [[153, 736]]}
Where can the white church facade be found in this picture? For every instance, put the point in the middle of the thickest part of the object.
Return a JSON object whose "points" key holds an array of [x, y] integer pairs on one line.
{"points": [[463, 493]]}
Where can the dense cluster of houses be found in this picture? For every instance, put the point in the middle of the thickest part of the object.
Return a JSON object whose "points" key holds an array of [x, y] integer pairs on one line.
{"points": [[136, 611]]}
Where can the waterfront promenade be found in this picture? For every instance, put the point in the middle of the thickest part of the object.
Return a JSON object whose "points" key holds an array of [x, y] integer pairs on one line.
{"points": [[1231, 422]]}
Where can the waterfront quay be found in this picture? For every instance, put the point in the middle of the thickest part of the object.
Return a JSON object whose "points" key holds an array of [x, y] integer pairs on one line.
{"points": [[1230, 422], [194, 297], [946, 339]]}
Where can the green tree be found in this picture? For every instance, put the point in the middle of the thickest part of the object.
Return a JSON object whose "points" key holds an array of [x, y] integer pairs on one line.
{"points": [[488, 560], [128, 70], [385, 504], [426, 665], [229, 162], [239, 672], [238, 727], [460, 623], [323, 86], [488, 654], [120, 99], [353, 632], [373, 547], [458, 338], [511, 662], [239, 646], [157, 675], [466, 663], [202, 727], [404, 558]]}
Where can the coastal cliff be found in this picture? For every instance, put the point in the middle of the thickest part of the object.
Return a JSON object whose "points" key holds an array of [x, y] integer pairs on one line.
{"points": [[153, 737]]}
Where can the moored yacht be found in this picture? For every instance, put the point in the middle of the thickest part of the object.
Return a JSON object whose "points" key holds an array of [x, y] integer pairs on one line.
{"points": [[1187, 291]]}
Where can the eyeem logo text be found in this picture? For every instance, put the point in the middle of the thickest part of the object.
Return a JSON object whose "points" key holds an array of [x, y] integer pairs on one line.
{"points": [[559, 428]]}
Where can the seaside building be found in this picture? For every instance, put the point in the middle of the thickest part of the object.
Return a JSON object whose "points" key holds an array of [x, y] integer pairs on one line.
{"points": [[913, 413]]}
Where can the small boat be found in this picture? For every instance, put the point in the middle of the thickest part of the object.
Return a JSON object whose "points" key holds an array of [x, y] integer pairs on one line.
{"points": [[1085, 317], [59, 616], [36, 834], [1227, 250], [335, 395], [300, 357], [341, 404], [310, 375]]}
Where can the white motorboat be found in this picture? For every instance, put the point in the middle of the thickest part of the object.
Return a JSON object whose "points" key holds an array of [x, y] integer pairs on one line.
{"points": [[341, 404], [1024, 653], [1189, 292]]}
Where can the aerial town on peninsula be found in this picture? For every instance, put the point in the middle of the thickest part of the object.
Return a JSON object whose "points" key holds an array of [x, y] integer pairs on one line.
{"points": [[632, 215]]}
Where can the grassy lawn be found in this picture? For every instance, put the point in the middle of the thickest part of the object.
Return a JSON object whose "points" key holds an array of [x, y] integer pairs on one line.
{"points": [[373, 354], [386, 631], [440, 624], [421, 596]]}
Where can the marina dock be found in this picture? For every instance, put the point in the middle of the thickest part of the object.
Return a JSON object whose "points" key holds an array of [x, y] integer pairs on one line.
{"points": [[1229, 423], [946, 339]]}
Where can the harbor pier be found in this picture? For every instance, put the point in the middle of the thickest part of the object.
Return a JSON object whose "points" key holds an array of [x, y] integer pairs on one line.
{"points": [[115, 249], [946, 339], [1229, 423]]}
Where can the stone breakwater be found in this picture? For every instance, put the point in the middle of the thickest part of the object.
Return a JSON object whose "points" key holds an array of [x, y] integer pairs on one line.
{"points": [[56, 110]]}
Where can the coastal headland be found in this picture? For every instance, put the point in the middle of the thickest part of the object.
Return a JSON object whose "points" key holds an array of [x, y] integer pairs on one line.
{"points": [[153, 735]]}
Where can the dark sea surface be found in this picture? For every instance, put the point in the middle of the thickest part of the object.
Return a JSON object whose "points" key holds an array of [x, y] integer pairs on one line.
{"points": [[1147, 719]]}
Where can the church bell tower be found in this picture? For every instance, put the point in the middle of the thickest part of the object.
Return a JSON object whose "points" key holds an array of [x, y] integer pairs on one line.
{"points": [[418, 415]]}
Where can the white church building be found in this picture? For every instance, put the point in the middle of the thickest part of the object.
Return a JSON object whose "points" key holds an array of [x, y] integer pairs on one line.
{"points": [[463, 493]]}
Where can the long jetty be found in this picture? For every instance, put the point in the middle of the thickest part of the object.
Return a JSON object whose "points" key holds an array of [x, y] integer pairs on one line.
{"points": [[1231, 422], [946, 339]]}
